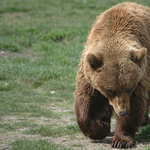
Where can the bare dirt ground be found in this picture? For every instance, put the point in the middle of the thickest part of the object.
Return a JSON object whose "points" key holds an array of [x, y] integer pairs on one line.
{"points": [[78, 142], [27, 54]]}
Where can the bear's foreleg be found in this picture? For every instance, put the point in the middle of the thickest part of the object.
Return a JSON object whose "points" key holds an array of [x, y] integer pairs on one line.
{"points": [[127, 125], [93, 113], [146, 117], [124, 135]]}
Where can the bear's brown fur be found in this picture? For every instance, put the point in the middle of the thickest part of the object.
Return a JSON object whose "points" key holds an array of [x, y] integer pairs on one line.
{"points": [[114, 74]]}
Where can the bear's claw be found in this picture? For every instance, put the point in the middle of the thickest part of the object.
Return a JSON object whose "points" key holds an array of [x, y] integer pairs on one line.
{"points": [[121, 144]]}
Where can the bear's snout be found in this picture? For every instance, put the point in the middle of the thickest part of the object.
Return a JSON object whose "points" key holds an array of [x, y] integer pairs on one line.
{"points": [[124, 113], [121, 104]]}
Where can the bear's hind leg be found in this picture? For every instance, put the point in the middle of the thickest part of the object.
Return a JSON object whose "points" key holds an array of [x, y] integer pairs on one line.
{"points": [[146, 121], [146, 117]]}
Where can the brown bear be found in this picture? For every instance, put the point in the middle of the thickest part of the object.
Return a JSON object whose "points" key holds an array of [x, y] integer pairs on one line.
{"points": [[114, 75]]}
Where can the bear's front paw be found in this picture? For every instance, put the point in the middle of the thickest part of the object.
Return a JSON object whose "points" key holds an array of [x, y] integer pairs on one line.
{"points": [[125, 142], [105, 126]]}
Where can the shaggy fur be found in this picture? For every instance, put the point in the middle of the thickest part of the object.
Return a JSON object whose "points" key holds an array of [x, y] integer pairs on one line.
{"points": [[114, 75]]}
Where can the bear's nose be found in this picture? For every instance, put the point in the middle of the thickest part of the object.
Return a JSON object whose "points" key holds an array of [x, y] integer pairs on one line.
{"points": [[124, 113]]}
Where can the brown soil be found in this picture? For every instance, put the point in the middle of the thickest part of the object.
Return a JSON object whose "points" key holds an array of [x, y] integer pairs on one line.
{"points": [[78, 142]]}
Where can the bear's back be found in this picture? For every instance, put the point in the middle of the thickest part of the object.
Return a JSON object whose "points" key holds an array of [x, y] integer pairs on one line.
{"points": [[123, 20], [135, 9], [125, 15]]}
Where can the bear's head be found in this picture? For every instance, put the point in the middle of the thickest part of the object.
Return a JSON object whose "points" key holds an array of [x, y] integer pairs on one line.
{"points": [[116, 73]]}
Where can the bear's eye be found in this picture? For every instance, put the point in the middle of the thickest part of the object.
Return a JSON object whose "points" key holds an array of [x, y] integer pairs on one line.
{"points": [[98, 70], [113, 92], [130, 90]]}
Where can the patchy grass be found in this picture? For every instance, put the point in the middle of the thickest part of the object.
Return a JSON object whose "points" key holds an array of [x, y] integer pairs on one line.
{"points": [[13, 126], [24, 144], [49, 130], [40, 46]]}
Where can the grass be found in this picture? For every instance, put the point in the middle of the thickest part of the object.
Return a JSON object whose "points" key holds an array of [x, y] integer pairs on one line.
{"points": [[13, 126], [24, 144], [40, 46], [144, 134], [48, 130]]}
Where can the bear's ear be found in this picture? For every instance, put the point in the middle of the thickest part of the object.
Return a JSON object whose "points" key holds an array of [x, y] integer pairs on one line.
{"points": [[94, 61], [138, 55]]}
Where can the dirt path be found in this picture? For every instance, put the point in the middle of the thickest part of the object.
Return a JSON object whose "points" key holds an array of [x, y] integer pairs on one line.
{"points": [[78, 142]]}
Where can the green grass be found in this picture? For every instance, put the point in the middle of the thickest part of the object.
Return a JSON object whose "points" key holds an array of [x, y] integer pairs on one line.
{"points": [[144, 134], [23, 144], [40, 47], [49, 130], [17, 125]]}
